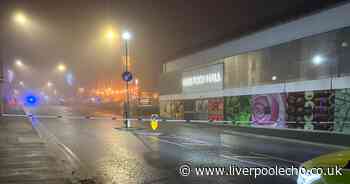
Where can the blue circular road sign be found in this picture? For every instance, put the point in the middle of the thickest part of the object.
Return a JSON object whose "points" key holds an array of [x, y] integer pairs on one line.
{"points": [[127, 76]]}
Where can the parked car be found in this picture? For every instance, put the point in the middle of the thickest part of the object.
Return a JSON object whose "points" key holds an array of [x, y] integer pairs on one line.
{"points": [[339, 159]]}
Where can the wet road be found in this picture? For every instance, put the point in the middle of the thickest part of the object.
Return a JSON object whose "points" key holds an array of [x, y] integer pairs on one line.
{"points": [[145, 156]]}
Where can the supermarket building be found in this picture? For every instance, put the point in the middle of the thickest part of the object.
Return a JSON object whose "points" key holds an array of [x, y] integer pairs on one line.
{"points": [[293, 75]]}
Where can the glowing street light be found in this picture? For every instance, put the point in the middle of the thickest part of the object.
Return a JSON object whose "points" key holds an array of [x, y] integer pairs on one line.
{"points": [[61, 67], [110, 34], [19, 63], [20, 18], [126, 35]]}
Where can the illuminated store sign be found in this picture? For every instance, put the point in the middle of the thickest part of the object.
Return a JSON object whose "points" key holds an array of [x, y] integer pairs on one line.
{"points": [[203, 79]]}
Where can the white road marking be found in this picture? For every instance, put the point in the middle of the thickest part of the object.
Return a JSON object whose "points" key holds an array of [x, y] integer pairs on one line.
{"points": [[173, 120], [244, 161], [276, 158], [249, 157], [192, 140], [170, 142]]}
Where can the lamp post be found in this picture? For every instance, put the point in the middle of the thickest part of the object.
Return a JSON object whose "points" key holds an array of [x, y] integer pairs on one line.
{"points": [[126, 37]]}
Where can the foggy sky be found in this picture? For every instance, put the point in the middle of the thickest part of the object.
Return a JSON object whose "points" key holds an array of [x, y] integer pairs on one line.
{"points": [[69, 31]]}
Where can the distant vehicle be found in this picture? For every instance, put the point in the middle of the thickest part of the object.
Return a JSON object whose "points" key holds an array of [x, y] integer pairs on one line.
{"points": [[338, 159]]}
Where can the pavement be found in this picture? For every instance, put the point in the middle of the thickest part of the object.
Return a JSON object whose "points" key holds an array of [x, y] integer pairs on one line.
{"points": [[111, 154], [24, 157]]}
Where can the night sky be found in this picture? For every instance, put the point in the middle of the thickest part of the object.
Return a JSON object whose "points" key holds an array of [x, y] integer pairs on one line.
{"points": [[70, 31]]}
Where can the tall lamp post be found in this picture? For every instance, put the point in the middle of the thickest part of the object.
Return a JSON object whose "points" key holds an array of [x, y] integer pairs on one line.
{"points": [[20, 19], [127, 77]]}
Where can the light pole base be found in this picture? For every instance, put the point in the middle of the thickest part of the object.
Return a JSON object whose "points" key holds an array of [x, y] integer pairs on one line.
{"points": [[127, 123]]}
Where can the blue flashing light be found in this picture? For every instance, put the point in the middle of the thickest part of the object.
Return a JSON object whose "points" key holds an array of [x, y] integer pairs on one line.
{"points": [[30, 99]]}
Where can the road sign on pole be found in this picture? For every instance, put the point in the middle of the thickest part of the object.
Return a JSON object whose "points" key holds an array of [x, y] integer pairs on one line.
{"points": [[127, 76]]}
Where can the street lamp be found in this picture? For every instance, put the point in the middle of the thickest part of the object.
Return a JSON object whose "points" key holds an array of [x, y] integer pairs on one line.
{"points": [[126, 37], [110, 34], [61, 67], [20, 18], [19, 63]]}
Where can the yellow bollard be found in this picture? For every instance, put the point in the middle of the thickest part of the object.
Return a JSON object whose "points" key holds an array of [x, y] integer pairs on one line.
{"points": [[154, 124]]}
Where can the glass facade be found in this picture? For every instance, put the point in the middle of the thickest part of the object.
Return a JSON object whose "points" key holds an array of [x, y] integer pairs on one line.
{"points": [[315, 57]]}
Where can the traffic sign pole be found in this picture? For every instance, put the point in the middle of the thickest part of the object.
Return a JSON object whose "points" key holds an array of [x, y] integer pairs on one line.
{"points": [[126, 123]]}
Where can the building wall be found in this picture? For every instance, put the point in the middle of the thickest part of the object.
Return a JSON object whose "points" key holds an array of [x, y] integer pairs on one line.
{"points": [[170, 83], [295, 75], [172, 109], [237, 109], [342, 109], [325, 21], [327, 110], [288, 62]]}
